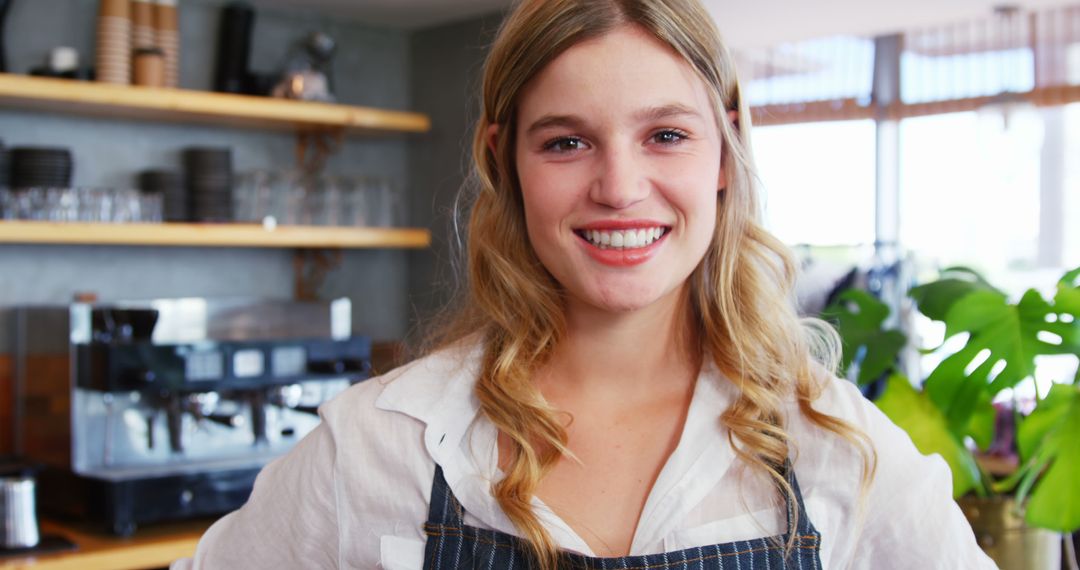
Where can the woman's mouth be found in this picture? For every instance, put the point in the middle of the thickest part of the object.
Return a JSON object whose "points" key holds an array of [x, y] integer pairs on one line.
{"points": [[633, 238]]}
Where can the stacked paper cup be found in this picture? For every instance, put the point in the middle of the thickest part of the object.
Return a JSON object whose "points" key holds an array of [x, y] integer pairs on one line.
{"points": [[114, 42], [167, 35], [142, 24]]}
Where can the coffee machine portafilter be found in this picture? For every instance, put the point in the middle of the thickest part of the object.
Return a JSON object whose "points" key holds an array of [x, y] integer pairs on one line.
{"points": [[167, 409]]}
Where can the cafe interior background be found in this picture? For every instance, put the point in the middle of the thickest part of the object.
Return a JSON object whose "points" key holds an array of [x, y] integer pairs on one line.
{"points": [[893, 140]]}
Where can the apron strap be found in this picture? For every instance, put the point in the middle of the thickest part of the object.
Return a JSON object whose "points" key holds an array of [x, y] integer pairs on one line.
{"points": [[444, 508], [803, 525]]}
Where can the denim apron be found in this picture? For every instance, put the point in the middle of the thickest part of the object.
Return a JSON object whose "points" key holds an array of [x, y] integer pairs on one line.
{"points": [[452, 545]]}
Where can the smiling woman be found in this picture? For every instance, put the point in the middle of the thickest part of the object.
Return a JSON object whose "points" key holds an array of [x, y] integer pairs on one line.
{"points": [[625, 384]]}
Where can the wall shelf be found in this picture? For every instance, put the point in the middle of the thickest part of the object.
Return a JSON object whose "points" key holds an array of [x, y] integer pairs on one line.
{"points": [[182, 105], [212, 235]]}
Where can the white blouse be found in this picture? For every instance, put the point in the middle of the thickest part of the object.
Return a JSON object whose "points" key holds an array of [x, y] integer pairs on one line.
{"points": [[354, 493]]}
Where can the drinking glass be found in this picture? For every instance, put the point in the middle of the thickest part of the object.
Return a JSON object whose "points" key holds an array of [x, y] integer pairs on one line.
{"points": [[332, 191], [384, 202], [151, 207], [125, 206], [64, 205], [253, 196], [285, 197], [356, 203], [95, 205]]}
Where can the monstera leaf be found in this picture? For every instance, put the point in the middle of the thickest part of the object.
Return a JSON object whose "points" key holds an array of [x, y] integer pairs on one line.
{"points": [[858, 316], [1049, 442], [983, 422], [916, 414], [1003, 341], [1067, 308], [936, 298]]}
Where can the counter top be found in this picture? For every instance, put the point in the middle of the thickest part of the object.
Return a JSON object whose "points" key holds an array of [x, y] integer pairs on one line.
{"points": [[154, 546]]}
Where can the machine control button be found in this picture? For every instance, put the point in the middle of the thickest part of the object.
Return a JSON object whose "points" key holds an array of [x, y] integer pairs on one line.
{"points": [[204, 365], [287, 361], [248, 363]]}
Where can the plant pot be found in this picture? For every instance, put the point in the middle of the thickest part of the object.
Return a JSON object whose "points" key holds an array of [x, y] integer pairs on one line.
{"points": [[1002, 533]]}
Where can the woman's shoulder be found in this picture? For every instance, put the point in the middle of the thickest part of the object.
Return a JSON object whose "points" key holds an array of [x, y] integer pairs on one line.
{"points": [[844, 400], [868, 431], [838, 461], [404, 396], [907, 497]]}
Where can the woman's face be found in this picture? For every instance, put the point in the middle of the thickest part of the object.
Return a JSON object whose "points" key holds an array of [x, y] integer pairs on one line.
{"points": [[618, 157]]}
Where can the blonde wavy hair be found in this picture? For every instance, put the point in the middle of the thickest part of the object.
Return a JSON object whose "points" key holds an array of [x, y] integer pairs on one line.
{"points": [[740, 293]]}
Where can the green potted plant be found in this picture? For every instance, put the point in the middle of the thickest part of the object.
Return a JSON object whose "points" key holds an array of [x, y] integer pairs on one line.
{"points": [[1017, 510]]}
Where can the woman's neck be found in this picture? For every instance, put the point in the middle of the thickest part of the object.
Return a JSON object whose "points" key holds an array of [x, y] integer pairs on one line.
{"points": [[631, 354]]}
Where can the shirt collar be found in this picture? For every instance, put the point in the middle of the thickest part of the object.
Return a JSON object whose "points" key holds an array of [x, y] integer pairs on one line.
{"points": [[438, 391]]}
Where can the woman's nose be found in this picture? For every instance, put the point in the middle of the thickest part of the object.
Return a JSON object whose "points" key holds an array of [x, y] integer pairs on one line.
{"points": [[621, 180]]}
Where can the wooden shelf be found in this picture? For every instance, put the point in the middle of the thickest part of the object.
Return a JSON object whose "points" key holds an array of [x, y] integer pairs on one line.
{"points": [[212, 235], [153, 547], [181, 105]]}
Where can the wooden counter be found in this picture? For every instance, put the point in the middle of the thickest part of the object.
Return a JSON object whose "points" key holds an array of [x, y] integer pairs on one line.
{"points": [[155, 546]]}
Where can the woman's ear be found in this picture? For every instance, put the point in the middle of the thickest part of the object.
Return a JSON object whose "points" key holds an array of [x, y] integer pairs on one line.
{"points": [[491, 135]]}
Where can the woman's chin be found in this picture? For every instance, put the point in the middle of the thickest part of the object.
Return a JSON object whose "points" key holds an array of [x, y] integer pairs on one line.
{"points": [[624, 302]]}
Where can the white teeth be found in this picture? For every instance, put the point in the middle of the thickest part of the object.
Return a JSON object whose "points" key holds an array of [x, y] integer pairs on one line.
{"points": [[623, 239]]}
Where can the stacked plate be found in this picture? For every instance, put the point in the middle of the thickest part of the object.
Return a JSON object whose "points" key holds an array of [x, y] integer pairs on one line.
{"points": [[170, 185], [40, 167], [208, 173]]}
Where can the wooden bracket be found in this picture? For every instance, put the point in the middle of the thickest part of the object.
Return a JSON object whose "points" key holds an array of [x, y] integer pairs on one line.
{"points": [[310, 267], [314, 148]]}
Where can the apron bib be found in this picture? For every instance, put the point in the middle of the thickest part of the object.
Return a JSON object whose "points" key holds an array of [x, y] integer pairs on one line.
{"points": [[452, 545]]}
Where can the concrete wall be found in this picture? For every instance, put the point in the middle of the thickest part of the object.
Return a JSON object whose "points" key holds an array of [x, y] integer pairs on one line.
{"points": [[371, 68], [445, 80]]}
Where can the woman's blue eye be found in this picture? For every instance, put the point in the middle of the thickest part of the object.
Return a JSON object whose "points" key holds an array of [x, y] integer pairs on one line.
{"points": [[669, 137], [564, 144]]}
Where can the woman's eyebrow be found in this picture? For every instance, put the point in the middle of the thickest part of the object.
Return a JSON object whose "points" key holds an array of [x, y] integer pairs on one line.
{"points": [[645, 115], [665, 112], [549, 121]]}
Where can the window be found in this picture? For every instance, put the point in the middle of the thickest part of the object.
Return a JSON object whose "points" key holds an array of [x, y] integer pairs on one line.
{"points": [[969, 190], [936, 77], [818, 181], [826, 69], [1072, 185], [972, 187]]}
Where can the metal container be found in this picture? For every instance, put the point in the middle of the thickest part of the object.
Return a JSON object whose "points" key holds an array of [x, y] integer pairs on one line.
{"points": [[18, 513], [1002, 533]]}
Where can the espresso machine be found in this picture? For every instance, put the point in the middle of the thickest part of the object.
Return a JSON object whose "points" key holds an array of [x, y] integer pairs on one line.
{"points": [[167, 409]]}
